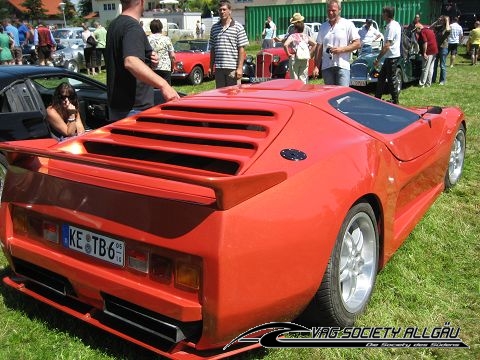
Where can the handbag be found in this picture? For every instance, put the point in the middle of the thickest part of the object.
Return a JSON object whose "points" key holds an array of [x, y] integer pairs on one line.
{"points": [[91, 41]]}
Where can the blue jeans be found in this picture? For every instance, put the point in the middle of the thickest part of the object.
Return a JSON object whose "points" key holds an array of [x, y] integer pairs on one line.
{"points": [[442, 58], [336, 76]]}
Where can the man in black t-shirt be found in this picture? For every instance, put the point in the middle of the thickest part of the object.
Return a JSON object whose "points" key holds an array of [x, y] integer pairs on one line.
{"points": [[129, 63]]}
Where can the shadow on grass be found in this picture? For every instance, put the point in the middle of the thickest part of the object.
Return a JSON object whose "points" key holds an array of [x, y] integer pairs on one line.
{"points": [[89, 335]]}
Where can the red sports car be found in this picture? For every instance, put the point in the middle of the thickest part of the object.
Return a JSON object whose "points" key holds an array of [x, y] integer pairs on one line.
{"points": [[183, 226], [192, 60]]}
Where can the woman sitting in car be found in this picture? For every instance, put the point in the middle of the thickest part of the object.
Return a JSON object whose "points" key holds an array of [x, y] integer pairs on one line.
{"points": [[63, 115]]}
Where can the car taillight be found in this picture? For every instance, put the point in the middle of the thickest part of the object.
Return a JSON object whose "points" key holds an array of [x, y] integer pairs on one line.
{"points": [[29, 223], [161, 268], [137, 260], [187, 275]]}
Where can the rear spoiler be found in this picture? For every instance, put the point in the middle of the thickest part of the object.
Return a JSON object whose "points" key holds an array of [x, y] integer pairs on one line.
{"points": [[229, 190]]}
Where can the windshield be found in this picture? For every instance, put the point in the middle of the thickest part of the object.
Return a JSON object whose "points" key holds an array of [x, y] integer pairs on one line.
{"points": [[61, 34], [373, 113], [190, 45]]}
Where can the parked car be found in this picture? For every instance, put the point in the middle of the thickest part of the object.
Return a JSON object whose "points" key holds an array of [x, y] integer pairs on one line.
{"points": [[71, 57], [192, 60], [69, 36], [467, 22], [363, 73], [378, 44], [183, 226], [25, 93], [270, 63]]}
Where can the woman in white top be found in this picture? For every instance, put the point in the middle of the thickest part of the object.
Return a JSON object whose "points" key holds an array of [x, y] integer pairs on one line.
{"points": [[88, 52], [162, 45]]}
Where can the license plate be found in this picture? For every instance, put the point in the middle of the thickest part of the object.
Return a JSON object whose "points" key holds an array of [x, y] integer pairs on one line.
{"points": [[93, 244], [359, 83]]}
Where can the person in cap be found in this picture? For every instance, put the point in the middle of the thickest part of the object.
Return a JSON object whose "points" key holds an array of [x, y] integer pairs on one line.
{"points": [[299, 47], [368, 35], [337, 39]]}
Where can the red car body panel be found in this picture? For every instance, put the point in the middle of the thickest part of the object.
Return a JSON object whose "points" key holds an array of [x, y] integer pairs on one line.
{"points": [[268, 60], [199, 183], [198, 57]]}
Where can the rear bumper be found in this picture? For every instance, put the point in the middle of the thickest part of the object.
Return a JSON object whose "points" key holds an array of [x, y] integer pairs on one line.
{"points": [[180, 350]]}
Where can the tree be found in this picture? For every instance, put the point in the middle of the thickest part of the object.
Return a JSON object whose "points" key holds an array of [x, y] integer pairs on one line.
{"points": [[35, 9], [3, 9], [85, 7], [70, 11]]}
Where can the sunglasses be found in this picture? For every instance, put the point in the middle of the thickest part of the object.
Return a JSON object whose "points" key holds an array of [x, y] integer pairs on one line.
{"points": [[69, 97]]}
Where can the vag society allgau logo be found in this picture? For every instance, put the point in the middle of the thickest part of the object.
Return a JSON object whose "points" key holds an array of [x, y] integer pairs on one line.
{"points": [[275, 335]]}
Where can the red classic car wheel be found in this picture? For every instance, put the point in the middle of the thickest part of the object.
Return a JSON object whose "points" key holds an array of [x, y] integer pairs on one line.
{"points": [[350, 276], [196, 76]]}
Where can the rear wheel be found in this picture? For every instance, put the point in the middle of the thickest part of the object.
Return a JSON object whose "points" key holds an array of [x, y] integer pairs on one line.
{"points": [[196, 76], [350, 276], [457, 157]]}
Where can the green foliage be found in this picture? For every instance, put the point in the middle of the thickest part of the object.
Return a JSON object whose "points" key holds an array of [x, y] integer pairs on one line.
{"points": [[85, 7], [35, 9]]}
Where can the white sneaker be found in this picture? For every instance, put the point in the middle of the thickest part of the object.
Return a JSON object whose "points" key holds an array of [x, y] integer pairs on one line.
{"points": [[441, 83]]}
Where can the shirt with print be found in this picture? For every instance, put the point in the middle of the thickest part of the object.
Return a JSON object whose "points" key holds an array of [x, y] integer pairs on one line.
{"points": [[162, 45]]}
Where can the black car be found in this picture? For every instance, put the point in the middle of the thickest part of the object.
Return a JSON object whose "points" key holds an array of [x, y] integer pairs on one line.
{"points": [[467, 22], [26, 92]]}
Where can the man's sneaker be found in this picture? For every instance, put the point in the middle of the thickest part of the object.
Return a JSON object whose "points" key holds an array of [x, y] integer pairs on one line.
{"points": [[441, 83]]}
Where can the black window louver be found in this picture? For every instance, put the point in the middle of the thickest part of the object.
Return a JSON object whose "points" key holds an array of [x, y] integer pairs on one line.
{"points": [[183, 139], [163, 157], [217, 111]]}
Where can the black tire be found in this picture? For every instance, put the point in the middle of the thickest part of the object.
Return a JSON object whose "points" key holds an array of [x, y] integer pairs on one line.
{"points": [[196, 76], [351, 272], [457, 158], [72, 65], [3, 172], [399, 74]]}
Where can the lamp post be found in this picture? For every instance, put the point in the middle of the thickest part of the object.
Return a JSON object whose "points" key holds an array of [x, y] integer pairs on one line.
{"points": [[62, 7]]}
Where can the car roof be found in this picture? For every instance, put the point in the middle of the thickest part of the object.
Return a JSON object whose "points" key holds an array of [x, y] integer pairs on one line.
{"points": [[10, 73]]}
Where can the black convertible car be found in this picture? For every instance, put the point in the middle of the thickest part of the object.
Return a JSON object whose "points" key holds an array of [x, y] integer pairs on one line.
{"points": [[26, 92]]}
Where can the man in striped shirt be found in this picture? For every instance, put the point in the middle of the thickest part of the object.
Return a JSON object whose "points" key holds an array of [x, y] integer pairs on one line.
{"points": [[227, 53]]}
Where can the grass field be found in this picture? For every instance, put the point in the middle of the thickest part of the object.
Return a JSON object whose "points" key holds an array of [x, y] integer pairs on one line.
{"points": [[432, 279]]}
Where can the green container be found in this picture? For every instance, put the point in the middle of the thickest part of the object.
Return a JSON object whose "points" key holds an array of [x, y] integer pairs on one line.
{"points": [[405, 11]]}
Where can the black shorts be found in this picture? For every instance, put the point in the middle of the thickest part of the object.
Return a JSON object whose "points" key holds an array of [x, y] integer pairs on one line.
{"points": [[452, 48], [45, 53]]}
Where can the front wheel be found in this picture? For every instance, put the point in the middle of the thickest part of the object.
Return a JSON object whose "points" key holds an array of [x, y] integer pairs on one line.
{"points": [[196, 76], [72, 66], [351, 272], [457, 157]]}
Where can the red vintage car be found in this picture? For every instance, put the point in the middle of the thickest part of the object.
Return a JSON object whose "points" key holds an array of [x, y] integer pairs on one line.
{"points": [[185, 225], [192, 60], [271, 63]]}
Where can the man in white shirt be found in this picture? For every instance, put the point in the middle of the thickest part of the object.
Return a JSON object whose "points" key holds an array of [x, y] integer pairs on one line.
{"points": [[456, 34], [336, 40], [272, 26], [368, 34], [391, 52]]}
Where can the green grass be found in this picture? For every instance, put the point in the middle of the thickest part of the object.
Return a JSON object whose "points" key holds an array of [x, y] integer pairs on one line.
{"points": [[432, 279]]}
